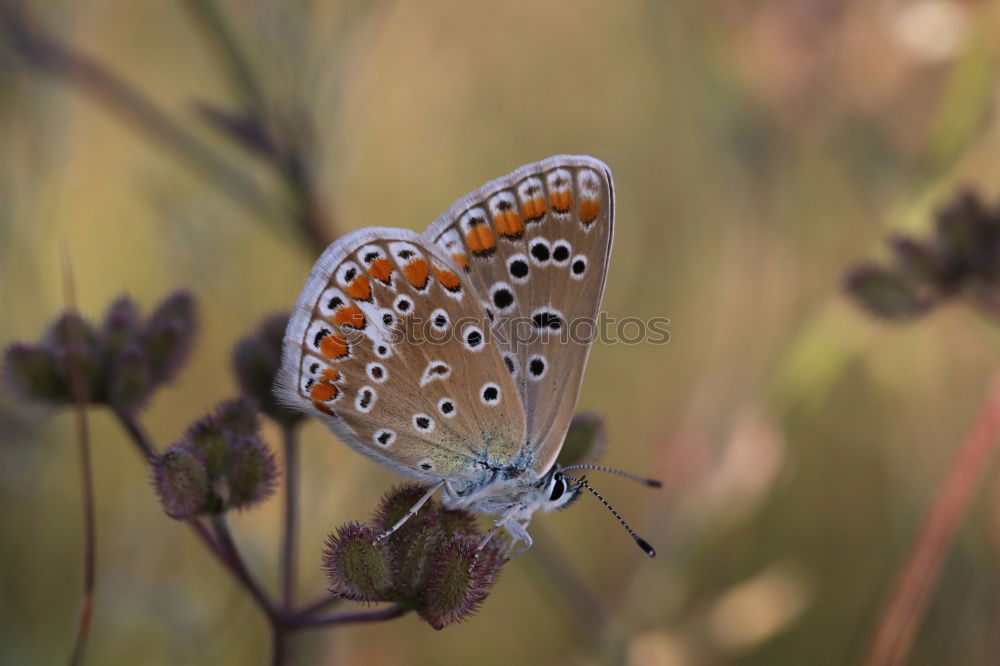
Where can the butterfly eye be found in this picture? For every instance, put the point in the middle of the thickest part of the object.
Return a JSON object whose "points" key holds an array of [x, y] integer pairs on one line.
{"points": [[558, 487]]}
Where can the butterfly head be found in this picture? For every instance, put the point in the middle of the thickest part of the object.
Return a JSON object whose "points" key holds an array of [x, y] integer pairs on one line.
{"points": [[557, 491]]}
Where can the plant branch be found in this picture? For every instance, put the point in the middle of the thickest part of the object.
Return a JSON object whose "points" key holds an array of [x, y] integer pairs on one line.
{"points": [[289, 541], [304, 621], [59, 60], [219, 36], [239, 567], [901, 618]]}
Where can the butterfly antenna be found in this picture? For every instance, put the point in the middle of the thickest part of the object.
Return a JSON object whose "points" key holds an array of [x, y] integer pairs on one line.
{"points": [[582, 481], [652, 483]]}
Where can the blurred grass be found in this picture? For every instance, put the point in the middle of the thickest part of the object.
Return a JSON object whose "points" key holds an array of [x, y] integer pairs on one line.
{"points": [[758, 149]]}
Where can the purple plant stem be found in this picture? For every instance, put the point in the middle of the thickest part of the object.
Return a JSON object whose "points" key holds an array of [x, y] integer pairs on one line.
{"points": [[307, 621], [79, 388], [289, 542], [908, 604]]}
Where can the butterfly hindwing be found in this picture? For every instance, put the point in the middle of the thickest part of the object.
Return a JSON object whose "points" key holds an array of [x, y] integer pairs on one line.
{"points": [[388, 345], [535, 246]]}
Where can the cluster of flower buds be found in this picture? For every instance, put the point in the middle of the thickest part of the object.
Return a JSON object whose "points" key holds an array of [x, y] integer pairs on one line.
{"points": [[961, 259], [220, 464], [430, 564], [256, 359], [120, 363]]}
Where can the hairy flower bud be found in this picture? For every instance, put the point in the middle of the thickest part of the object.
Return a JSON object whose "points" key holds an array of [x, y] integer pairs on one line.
{"points": [[459, 582], [220, 464], [429, 564], [356, 566], [169, 334]]}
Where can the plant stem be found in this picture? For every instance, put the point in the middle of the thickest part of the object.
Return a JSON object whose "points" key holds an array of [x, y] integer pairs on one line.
{"points": [[136, 432], [907, 606], [304, 621], [289, 542], [79, 388], [239, 568]]}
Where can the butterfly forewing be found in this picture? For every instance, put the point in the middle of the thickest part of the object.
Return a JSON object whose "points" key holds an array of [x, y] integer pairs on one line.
{"points": [[389, 346], [535, 245]]}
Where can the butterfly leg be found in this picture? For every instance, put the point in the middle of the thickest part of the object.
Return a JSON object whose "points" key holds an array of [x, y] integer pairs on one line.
{"points": [[518, 532], [413, 510], [497, 524]]}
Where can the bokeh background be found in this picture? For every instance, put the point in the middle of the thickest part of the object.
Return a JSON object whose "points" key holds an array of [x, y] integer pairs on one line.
{"points": [[759, 150]]}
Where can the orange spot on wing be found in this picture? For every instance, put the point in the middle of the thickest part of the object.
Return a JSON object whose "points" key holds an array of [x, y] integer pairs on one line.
{"points": [[330, 375], [359, 288], [480, 239], [509, 224], [380, 269], [323, 408], [561, 202], [533, 209], [349, 315], [417, 271], [447, 279], [589, 208], [461, 259], [323, 392], [334, 346]]}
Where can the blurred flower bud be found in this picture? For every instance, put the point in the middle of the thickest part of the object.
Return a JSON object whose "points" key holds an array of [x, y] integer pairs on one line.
{"points": [[32, 372], [584, 441], [356, 566], [181, 481], [121, 323], [130, 383], [459, 582], [884, 294], [256, 359], [921, 262], [169, 334], [220, 464], [121, 364]]}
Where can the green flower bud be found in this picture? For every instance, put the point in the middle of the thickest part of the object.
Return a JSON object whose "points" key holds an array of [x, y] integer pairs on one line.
{"points": [[356, 566], [584, 441]]}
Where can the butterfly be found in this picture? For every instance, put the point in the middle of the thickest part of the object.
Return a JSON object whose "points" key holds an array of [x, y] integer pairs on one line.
{"points": [[455, 356]]}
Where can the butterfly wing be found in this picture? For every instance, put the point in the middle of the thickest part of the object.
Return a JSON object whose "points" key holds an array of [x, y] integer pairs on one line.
{"points": [[535, 245], [387, 345]]}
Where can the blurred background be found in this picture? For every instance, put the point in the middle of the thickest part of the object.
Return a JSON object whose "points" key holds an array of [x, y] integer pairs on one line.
{"points": [[759, 150]]}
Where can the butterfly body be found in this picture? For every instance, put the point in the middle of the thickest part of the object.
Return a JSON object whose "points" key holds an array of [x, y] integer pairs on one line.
{"points": [[454, 356]]}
